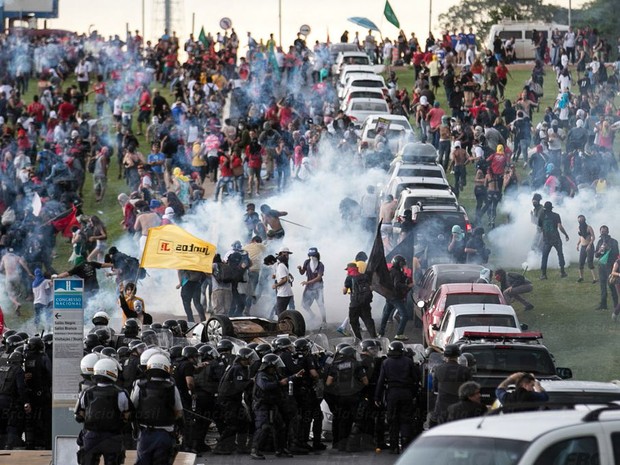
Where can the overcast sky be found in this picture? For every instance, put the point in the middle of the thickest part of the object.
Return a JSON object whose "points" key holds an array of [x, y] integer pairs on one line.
{"points": [[258, 16]]}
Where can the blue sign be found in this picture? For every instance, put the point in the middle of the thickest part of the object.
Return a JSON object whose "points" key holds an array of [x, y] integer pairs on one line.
{"points": [[68, 294]]}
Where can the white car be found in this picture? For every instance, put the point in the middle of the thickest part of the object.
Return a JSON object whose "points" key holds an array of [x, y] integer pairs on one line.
{"points": [[584, 435], [398, 130], [358, 109], [399, 184], [362, 80], [349, 58], [360, 92], [475, 318], [398, 168], [413, 196]]}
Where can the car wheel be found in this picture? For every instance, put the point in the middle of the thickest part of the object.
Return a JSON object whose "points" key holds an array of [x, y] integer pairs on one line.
{"points": [[217, 327], [292, 322]]}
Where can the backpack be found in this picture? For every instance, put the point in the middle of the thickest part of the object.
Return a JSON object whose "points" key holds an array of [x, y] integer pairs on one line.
{"points": [[233, 271], [131, 267], [92, 161], [361, 290]]}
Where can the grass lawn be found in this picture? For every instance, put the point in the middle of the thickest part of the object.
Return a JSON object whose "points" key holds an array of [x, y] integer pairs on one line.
{"points": [[579, 337]]}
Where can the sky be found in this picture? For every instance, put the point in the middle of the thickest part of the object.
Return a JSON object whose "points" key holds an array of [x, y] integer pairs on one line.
{"points": [[258, 16]]}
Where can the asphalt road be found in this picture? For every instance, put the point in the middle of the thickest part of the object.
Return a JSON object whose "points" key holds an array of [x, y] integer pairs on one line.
{"points": [[324, 458]]}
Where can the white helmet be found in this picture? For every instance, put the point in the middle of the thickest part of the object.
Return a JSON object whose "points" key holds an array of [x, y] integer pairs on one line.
{"points": [[107, 368], [87, 364], [159, 362], [100, 318]]}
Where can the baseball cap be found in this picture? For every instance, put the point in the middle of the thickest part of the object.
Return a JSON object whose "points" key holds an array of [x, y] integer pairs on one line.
{"points": [[313, 252], [284, 250], [351, 265]]}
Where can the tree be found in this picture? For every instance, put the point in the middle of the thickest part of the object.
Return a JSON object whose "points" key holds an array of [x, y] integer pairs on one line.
{"points": [[482, 14]]}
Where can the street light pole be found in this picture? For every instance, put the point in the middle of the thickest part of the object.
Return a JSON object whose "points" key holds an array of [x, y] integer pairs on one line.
{"points": [[280, 22], [143, 31], [570, 11], [430, 16]]}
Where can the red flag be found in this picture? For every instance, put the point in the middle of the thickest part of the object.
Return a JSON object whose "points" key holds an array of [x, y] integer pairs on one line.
{"points": [[65, 223]]}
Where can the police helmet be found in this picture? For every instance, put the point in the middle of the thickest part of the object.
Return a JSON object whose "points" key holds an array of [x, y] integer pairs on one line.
{"points": [[348, 352], [148, 353], [451, 351], [23, 335], [173, 326], [468, 360], [131, 328], [7, 334], [341, 346], [176, 352], [48, 339], [20, 349], [109, 352], [87, 364], [16, 358], [157, 327], [158, 364], [302, 345], [208, 352], [123, 353], [282, 343], [106, 368], [225, 345], [104, 335], [90, 341], [271, 360], [183, 327], [149, 337], [371, 346], [189, 352], [252, 345], [396, 348], [247, 354], [399, 261], [199, 345], [100, 319], [263, 349], [35, 344], [12, 342], [98, 349], [137, 346]]}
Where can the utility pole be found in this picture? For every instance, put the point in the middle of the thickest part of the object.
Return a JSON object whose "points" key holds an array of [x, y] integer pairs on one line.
{"points": [[430, 16], [280, 22]]}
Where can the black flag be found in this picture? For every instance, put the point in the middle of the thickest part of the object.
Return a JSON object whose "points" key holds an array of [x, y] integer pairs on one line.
{"points": [[377, 269]]}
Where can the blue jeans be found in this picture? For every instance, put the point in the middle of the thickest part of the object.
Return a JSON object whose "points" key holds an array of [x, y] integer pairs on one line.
{"points": [[227, 181], [388, 308], [154, 447]]}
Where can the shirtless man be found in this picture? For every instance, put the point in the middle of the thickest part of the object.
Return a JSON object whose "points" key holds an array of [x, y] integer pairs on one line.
{"points": [[458, 162], [386, 216], [585, 247], [9, 266], [145, 220], [271, 220]]}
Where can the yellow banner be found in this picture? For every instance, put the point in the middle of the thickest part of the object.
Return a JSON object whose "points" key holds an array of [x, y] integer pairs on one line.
{"points": [[171, 247]]}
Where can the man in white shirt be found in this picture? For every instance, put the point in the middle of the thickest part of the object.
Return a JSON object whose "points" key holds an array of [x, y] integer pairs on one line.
{"points": [[569, 44], [283, 287]]}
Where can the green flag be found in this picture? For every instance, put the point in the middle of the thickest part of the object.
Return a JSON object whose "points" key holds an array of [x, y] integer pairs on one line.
{"points": [[390, 15], [202, 37]]}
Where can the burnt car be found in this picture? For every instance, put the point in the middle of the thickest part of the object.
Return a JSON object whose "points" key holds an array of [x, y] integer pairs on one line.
{"points": [[249, 328]]}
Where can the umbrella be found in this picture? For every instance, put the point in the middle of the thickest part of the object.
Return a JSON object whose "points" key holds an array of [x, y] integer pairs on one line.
{"points": [[364, 22]]}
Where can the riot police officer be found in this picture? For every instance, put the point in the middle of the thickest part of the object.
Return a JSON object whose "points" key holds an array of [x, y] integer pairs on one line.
{"points": [[400, 379], [235, 381], [13, 400], [104, 409], [159, 413], [225, 349], [184, 379], [131, 367], [345, 381], [38, 376], [87, 369], [268, 398], [446, 380], [207, 377], [131, 330]]}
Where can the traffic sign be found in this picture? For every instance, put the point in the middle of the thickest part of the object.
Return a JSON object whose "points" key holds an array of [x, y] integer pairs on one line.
{"points": [[304, 29], [225, 23]]}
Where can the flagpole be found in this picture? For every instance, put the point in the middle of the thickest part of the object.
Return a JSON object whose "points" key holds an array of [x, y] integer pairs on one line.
{"points": [[280, 22], [430, 15]]}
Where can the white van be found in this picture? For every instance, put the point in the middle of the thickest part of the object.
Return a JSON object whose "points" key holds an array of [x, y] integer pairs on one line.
{"points": [[522, 31]]}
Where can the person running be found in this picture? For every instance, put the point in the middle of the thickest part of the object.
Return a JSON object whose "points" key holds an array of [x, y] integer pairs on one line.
{"points": [[551, 226], [271, 221]]}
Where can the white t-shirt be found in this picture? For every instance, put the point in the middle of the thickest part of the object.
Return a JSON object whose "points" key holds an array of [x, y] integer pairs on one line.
{"points": [[285, 290]]}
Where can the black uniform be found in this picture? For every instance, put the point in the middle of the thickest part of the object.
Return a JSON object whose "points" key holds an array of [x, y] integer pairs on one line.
{"points": [[101, 409], [39, 386], [158, 406], [207, 380], [235, 381], [290, 410], [371, 422], [400, 378], [447, 378], [268, 399], [13, 398]]}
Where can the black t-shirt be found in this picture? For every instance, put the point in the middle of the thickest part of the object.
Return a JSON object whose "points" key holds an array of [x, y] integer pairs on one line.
{"points": [[88, 272], [548, 222], [185, 369]]}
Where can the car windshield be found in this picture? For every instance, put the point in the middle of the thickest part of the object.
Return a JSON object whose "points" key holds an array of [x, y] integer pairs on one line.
{"points": [[421, 172], [426, 200], [511, 359], [418, 185], [458, 277], [366, 94], [469, 298], [463, 321], [461, 450], [366, 83], [369, 106], [355, 60]]}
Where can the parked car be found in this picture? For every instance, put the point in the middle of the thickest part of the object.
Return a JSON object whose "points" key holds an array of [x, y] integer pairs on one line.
{"points": [[362, 80], [556, 437], [462, 320], [360, 92], [446, 295], [348, 58], [358, 109], [408, 169], [398, 184], [413, 196], [398, 130]]}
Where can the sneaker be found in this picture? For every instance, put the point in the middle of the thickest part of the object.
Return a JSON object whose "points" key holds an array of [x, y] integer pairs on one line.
{"points": [[342, 331], [401, 337], [563, 274], [529, 307], [543, 277], [580, 280]]}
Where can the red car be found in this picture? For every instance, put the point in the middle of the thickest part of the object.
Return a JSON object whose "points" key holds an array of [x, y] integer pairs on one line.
{"points": [[452, 294]]}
